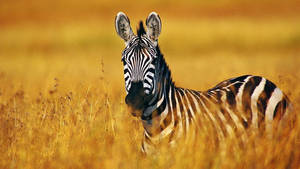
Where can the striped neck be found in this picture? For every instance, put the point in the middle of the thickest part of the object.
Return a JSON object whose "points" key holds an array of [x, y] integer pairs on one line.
{"points": [[160, 98]]}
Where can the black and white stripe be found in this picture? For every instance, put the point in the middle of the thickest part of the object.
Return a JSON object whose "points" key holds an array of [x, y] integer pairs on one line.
{"points": [[139, 63], [169, 112]]}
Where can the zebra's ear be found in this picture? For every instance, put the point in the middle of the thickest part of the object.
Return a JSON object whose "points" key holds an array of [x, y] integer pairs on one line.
{"points": [[153, 23], [122, 25]]}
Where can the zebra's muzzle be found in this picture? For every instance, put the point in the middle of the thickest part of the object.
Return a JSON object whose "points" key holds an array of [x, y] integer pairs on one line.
{"points": [[136, 99]]}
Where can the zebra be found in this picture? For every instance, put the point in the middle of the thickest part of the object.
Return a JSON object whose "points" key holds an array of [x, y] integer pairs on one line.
{"points": [[169, 112]]}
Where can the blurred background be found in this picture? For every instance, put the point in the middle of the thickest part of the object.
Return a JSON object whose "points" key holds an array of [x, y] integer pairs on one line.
{"points": [[205, 40], [62, 88]]}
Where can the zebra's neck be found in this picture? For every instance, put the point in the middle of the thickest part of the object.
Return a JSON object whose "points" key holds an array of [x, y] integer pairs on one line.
{"points": [[158, 106], [171, 118]]}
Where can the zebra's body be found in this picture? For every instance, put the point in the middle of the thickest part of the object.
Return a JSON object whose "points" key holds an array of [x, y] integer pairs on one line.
{"points": [[169, 112], [232, 107]]}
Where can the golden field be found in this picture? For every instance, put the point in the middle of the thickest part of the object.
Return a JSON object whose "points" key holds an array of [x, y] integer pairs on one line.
{"points": [[62, 88]]}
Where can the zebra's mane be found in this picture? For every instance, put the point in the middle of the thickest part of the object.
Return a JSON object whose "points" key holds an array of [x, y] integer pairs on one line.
{"points": [[166, 71], [141, 30]]}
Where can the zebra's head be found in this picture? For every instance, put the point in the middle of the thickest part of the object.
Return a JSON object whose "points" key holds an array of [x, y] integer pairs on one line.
{"points": [[140, 59]]}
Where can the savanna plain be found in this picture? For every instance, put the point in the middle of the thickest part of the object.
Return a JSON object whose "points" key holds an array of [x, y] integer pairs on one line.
{"points": [[62, 88]]}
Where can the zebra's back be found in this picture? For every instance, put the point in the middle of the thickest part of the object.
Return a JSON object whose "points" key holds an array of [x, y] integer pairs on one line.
{"points": [[253, 100]]}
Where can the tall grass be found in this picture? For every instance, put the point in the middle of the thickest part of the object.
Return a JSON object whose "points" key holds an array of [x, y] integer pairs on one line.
{"points": [[62, 87]]}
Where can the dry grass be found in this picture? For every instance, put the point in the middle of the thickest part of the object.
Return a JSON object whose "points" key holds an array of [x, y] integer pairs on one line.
{"points": [[62, 88]]}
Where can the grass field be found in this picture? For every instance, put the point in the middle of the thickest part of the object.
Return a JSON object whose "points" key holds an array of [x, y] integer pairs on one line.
{"points": [[62, 88]]}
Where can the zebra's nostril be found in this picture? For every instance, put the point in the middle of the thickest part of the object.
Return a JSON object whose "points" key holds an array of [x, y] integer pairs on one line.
{"points": [[130, 100]]}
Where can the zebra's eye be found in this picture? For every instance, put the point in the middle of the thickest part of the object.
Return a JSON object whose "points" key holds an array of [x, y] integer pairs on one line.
{"points": [[123, 61]]}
